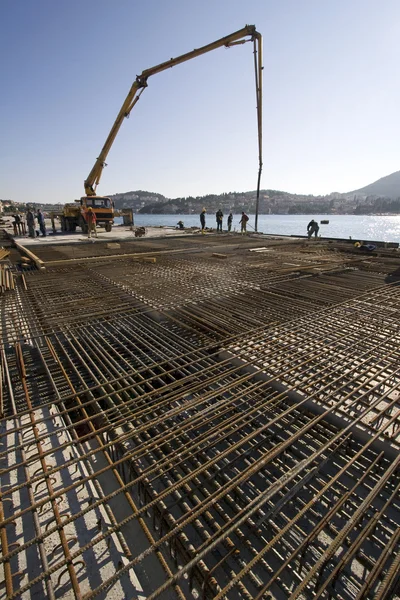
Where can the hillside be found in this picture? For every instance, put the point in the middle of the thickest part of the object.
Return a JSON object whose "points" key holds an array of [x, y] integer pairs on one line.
{"points": [[388, 186], [271, 202], [381, 196], [136, 199]]}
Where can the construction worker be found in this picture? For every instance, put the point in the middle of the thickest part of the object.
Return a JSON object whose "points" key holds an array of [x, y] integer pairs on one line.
{"points": [[243, 222], [312, 227], [230, 218], [203, 220], [363, 246], [219, 216], [17, 225], [30, 221], [91, 221], [23, 223], [42, 225]]}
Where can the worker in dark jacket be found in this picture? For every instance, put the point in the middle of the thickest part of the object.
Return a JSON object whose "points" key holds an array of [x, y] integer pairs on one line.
{"points": [[219, 216], [203, 220], [230, 218], [17, 225], [42, 225], [30, 221], [312, 227]]}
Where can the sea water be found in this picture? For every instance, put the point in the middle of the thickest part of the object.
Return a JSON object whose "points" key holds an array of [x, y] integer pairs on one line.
{"points": [[356, 227]]}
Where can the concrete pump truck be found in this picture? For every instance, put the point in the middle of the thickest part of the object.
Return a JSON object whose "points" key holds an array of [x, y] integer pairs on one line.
{"points": [[74, 214]]}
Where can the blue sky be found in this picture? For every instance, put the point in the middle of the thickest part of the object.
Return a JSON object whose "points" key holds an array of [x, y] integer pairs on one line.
{"points": [[331, 96]]}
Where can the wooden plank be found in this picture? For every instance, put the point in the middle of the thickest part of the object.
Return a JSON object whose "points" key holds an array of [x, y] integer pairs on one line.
{"points": [[39, 263]]}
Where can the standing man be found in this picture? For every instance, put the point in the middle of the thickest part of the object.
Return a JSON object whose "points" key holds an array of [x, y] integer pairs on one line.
{"points": [[30, 221], [23, 223], [19, 224], [219, 216], [91, 222], [243, 222], [230, 221], [15, 224], [312, 227], [203, 220], [42, 225]]}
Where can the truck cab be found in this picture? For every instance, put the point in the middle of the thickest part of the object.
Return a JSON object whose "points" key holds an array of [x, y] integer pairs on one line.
{"points": [[102, 206]]}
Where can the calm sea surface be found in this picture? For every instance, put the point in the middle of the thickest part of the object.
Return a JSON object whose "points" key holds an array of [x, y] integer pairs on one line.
{"points": [[379, 228]]}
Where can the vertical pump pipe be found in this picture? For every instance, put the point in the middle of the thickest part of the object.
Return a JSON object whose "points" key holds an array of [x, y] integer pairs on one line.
{"points": [[258, 76]]}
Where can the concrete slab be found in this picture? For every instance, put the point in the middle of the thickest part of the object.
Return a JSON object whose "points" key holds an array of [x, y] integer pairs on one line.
{"points": [[118, 233]]}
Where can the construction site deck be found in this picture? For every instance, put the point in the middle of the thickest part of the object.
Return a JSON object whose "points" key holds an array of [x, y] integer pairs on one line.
{"points": [[200, 417]]}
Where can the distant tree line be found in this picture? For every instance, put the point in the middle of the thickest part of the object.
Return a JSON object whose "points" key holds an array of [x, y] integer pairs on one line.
{"points": [[379, 205]]}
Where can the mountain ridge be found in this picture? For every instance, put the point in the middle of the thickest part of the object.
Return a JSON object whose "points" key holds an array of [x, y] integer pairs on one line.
{"points": [[385, 187]]}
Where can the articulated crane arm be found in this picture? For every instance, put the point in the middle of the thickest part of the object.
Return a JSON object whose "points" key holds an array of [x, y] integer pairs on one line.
{"points": [[239, 37]]}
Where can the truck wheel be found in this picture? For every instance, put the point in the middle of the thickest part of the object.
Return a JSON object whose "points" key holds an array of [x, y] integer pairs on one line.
{"points": [[108, 227], [83, 225]]}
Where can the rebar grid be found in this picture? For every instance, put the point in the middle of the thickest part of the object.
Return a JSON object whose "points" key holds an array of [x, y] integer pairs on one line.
{"points": [[253, 441], [193, 279], [221, 297], [259, 465], [263, 251], [60, 252]]}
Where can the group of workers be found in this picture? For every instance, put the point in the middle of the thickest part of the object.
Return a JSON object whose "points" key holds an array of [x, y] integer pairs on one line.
{"points": [[312, 227], [34, 222], [219, 215]]}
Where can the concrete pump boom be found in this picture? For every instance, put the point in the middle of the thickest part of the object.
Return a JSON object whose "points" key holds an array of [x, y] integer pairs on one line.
{"points": [[239, 37]]}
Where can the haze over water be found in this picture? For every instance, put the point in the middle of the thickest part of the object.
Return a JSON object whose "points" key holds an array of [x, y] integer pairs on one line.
{"points": [[358, 227]]}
